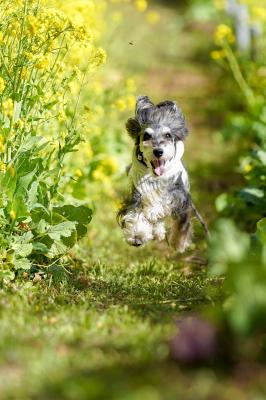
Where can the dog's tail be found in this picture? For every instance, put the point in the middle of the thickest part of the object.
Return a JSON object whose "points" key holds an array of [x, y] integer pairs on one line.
{"points": [[200, 219]]}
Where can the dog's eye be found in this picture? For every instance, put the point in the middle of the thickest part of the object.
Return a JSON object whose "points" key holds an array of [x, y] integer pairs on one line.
{"points": [[167, 136], [146, 136]]}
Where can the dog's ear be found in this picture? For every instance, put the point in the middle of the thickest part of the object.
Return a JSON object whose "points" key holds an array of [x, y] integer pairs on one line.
{"points": [[133, 127], [143, 106], [175, 118], [170, 105]]}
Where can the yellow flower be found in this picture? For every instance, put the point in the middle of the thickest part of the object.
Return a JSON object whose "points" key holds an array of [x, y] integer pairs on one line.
{"points": [[42, 63], [8, 107], [88, 150], [78, 173], [61, 116], [11, 170], [12, 215], [110, 165], [24, 73], [32, 25], [1, 37], [223, 32], [220, 4], [2, 166], [218, 55], [153, 17], [247, 168], [259, 13], [99, 175], [2, 148], [121, 104], [99, 57], [19, 124], [2, 85], [141, 5], [29, 56]]}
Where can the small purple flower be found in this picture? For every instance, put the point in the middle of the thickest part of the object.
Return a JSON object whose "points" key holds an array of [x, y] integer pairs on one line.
{"points": [[195, 341]]}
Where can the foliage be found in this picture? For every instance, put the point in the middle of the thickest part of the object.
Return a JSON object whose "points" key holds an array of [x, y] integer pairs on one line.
{"points": [[38, 130], [248, 126], [234, 253], [243, 260]]}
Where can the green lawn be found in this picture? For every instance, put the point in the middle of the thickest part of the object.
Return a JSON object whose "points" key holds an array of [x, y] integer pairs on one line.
{"points": [[103, 333]]}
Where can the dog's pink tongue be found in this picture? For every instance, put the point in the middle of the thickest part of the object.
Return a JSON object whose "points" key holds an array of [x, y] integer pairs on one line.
{"points": [[159, 167]]}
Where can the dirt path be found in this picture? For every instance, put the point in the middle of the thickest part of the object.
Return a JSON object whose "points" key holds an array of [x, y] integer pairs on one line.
{"points": [[174, 64]]}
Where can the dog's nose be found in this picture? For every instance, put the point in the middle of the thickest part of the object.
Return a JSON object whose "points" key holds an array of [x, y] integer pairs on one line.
{"points": [[158, 152]]}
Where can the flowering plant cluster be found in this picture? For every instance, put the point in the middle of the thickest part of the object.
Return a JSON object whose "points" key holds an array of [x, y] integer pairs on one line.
{"points": [[239, 254], [248, 125], [39, 72]]}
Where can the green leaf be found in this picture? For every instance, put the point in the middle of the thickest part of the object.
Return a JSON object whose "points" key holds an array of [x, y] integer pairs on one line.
{"points": [[33, 195], [19, 206], [39, 247], [31, 142], [221, 202], [261, 230], [64, 229], [22, 263], [7, 275], [262, 156], [22, 250], [57, 249], [24, 182], [80, 214]]}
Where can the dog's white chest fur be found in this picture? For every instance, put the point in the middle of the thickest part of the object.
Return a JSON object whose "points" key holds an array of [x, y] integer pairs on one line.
{"points": [[154, 189]]}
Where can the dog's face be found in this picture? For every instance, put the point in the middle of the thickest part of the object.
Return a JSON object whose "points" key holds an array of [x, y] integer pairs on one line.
{"points": [[159, 131], [158, 146]]}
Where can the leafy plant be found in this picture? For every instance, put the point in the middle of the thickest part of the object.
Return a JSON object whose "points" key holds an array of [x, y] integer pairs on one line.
{"points": [[37, 131]]}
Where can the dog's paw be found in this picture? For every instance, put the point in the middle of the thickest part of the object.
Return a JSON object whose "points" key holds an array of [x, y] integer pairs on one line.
{"points": [[159, 231], [136, 242], [183, 245]]}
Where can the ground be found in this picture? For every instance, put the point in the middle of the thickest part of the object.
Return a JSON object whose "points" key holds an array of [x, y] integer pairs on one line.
{"points": [[104, 333]]}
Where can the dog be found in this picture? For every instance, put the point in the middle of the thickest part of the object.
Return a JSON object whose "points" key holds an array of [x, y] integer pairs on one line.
{"points": [[159, 181]]}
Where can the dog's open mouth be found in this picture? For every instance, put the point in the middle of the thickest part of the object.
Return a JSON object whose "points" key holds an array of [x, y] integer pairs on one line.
{"points": [[158, 167]]}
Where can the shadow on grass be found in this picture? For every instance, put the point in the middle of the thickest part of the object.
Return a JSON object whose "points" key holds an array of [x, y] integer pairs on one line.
{"points": [[153, 291]]}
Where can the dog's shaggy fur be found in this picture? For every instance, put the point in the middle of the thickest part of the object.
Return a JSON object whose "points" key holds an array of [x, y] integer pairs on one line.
{"points": [[160, 186]]}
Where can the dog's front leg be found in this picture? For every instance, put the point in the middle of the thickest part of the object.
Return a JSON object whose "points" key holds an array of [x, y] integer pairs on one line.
{"points": [[159, 231], [181, 232], [137, 229]]}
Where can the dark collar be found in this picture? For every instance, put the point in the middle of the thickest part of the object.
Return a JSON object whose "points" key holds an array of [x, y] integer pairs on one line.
{"points": [[139, 155]]}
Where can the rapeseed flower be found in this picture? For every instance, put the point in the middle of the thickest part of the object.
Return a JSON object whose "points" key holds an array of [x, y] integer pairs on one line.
{"points": [[153, 17], [13, 215], [141, 5], [8, 107], [218, 54], [259, 13], [32, 25], [2, 85], [109, 165], [2, 166], [99, 175], [223, 33], [43, 63], [247, 168]]}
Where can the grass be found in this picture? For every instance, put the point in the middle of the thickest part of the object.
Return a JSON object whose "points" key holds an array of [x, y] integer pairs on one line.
{"points": [[103, 332]]}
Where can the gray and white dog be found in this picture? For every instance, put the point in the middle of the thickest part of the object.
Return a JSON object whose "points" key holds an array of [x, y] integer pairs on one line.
{"points": [[159, 180]]}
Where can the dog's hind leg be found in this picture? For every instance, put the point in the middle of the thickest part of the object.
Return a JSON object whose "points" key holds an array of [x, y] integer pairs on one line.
{"points": [[181, 232]]}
